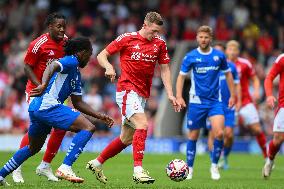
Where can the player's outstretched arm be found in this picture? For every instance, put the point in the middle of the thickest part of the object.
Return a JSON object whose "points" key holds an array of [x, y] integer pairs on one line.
{"points": [[103, 61], [85, 108], [47, 74], [231, 85], [179, 89]]}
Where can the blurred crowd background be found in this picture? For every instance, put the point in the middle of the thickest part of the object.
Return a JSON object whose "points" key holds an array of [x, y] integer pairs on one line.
{"points": [[257, 24]]}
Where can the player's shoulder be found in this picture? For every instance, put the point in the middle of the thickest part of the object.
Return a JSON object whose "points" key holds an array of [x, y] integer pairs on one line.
{"points": [[231, 64], [126, 36], [244, 61], [69, 59], [280, 59], [38, 42], [159, 39]]}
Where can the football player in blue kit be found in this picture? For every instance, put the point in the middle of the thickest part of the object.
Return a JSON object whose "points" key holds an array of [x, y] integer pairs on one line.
{"points": [[204, 64], [229, 113], [61, 79]]}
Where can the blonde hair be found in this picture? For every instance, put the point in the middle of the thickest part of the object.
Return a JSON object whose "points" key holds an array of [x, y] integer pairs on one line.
{"points": [[154, 17], [205, 29], [233, 43]]}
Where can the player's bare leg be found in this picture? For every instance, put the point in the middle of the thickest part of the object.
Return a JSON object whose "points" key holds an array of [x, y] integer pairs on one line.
{"points": [[217, 122], [114, 148]]}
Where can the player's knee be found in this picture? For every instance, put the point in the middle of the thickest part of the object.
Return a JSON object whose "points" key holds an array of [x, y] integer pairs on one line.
{"points": [[34, 149], [219, 134], [91, 128], [142, 125], [127, 141], [278, 139]]}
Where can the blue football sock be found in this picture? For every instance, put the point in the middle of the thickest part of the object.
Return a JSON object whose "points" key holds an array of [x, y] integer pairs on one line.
{"points": [[190, 152], [217, 149], [76, 147], [19, 157], [227, 151]]}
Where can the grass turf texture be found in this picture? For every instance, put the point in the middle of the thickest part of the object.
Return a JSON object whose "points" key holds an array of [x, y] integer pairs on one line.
{"points": [[244, 172]]}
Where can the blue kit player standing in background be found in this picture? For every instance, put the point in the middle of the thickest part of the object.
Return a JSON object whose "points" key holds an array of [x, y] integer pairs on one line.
{"points": [[61, 79], [205, 64], [229, 113]]}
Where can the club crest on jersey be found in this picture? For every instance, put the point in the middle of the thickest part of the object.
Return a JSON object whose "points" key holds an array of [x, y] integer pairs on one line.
{"points": [[136, 47], [215, 58]]}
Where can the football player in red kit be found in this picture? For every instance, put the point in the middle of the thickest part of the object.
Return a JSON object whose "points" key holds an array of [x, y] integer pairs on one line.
{"points": [[278, 126], [41, 51], [139, 53]]}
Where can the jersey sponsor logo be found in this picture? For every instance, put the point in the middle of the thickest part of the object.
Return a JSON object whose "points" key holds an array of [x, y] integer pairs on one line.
{"points": [[143, 57], [206, 69], [136, 47], [73, 84]]}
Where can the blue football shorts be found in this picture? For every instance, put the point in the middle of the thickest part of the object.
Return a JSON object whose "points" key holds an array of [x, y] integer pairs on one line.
{"points": [[59, 116], [198, 113]]}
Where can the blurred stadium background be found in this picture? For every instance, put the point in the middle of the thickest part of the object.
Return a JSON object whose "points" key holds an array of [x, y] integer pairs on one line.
{"points": [[257, 24]]}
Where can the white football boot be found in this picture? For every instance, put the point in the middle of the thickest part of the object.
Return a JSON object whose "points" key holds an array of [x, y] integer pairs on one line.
{"points": [[267, 169], [97, 170], [17, 175], [66, 172], [215, 175]]}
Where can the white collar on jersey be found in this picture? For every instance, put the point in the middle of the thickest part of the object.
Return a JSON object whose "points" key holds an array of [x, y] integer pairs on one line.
{"points": [[204, 53]]}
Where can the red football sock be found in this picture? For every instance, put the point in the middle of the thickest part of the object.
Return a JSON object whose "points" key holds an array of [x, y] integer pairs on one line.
{"points": [[115, 147], [25, 141], [53, 144], [139, 139], [261, 140], [272, 150]]}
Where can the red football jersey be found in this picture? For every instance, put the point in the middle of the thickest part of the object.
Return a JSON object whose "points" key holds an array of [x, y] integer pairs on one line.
{"points": [[138, 58], [42, 51], [245, 71], [277, 68]]}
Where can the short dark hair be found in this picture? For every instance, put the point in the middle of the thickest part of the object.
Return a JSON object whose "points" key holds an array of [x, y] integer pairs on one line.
{"points": [[154, 17], [51, 18], [77, 44]]}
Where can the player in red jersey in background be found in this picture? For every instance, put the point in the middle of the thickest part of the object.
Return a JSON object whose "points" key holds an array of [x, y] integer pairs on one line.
{"points": [[278, 126], [42, 51], [139, 53], [248, 111]]}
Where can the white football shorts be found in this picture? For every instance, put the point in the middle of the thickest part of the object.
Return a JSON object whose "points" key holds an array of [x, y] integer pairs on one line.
{"points": [[278, 125], [249, 114], [129, 103]]}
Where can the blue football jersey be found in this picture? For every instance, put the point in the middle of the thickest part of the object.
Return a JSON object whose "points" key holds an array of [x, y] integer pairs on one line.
{"points": [[205, 71], [61, 85], [225, 92]]}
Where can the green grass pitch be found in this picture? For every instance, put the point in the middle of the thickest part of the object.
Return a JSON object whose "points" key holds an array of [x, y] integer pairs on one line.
{"points": [[244, 173]]}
